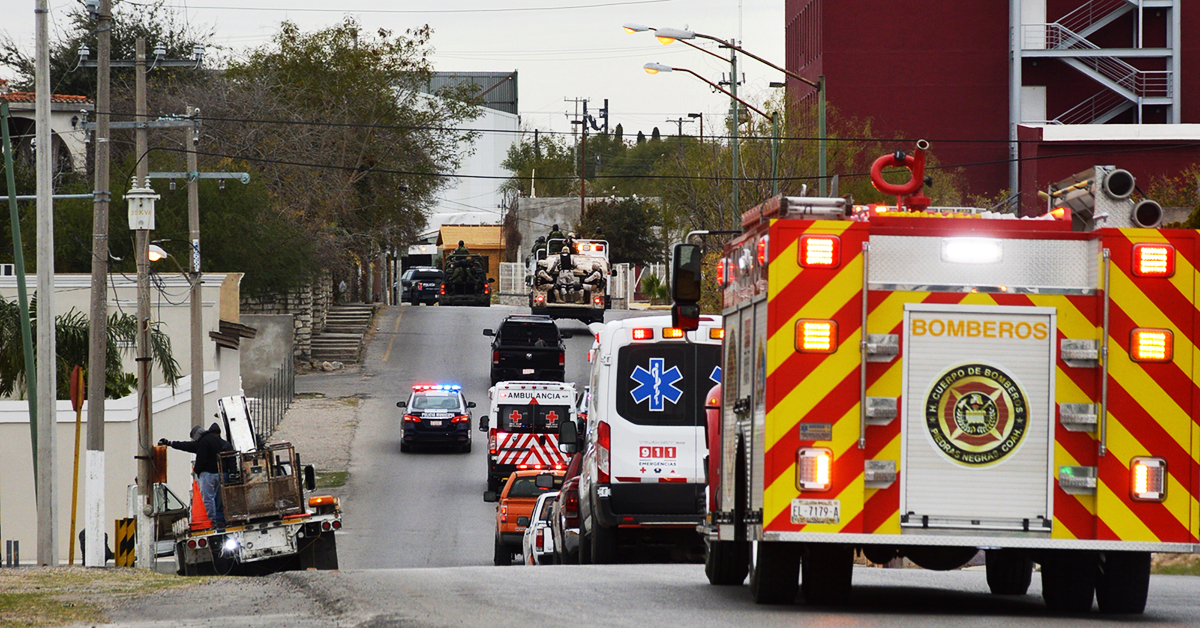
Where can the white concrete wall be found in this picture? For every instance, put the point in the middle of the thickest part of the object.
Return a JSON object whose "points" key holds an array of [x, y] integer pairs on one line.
{"points": [[18, 511]]}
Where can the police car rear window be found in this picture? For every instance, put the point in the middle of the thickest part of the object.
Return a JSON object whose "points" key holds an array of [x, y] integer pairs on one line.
{"points": [[434, 401], [664, 383], [427, 275]]}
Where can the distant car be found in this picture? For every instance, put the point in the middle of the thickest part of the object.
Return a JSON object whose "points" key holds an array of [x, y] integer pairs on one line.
{"points": [[527, 348], [538, 544], [564, 516], [436, 414], [421, 285], [515, 507]]}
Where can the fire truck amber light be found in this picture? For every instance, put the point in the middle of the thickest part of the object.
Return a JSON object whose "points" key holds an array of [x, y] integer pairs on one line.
{"points": [[672, 332], [814, 469], [1153, 260], [820, 251], [1151, 345], [1148, 479], [642, 333], [972, 251], [816, 336], [716, 333]]}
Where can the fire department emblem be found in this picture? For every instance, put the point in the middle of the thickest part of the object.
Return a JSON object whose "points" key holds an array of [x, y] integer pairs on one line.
{"points": [[976, 414]]}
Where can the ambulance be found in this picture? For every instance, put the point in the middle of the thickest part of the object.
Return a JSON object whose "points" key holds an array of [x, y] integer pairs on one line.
{"points": [[525, 433], [642, 479], [909, 381]]}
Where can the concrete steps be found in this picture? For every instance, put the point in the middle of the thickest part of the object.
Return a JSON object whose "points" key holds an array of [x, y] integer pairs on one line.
{"points": [[342, 338]]}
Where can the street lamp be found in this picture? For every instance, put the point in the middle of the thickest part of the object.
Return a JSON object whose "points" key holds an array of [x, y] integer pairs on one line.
{"points": [[701, 116], [657, 68], [670, 35]]}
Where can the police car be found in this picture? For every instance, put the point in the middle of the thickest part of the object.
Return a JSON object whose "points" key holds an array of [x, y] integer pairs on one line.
{"points": [[436, 414]]}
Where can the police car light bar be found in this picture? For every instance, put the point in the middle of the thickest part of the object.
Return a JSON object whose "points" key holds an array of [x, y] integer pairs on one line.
{"points": [[428, 387]]}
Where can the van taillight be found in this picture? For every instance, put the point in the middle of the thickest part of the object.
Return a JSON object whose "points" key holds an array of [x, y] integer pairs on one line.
{"points": [[603, 442]]}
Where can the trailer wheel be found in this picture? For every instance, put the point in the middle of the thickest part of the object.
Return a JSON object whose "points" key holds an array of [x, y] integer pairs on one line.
{"points": [[604, 545], [775, 572], [1008, 572], [1124, 582], [828, 571], [502, 557], [726, 562], [1069, 581]]}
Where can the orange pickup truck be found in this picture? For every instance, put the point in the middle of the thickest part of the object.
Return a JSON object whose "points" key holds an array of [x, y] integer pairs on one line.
{"points": [[516, 506]]}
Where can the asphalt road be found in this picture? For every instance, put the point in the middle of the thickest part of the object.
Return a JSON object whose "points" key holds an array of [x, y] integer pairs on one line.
{"points": [[416, 549], [426, 508]]}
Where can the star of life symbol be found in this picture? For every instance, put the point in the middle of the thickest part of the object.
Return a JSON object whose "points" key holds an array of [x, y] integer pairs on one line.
{"points": [[656, 384]]}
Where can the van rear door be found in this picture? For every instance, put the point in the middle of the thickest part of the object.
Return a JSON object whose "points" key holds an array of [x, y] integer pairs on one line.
{"points": [[658, 431]]}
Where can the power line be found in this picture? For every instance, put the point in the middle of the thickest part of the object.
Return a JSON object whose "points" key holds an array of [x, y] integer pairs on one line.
{"points": [[292, 9]]}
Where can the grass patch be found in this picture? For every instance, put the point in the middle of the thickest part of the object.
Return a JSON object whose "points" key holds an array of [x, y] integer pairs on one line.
{"points": [[350, 401], [315, 395], [63, 595], [1176, 565], [331, 479]]}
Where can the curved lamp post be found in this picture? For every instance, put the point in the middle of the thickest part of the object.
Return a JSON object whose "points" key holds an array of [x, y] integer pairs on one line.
{"points": [[656, 68], [670, 35]]}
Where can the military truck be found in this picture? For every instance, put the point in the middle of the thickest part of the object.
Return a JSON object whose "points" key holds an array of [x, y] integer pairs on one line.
{"points": [[465, 281], [569, 279]]}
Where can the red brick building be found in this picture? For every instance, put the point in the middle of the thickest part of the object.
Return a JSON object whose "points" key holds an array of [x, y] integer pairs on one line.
{"points": [[941, 69]]}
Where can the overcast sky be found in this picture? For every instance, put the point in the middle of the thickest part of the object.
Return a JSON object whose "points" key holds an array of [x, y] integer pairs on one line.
{"points": [[562, 49]]}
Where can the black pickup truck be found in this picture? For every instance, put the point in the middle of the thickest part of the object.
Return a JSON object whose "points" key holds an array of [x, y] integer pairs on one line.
{"points": [[527, 348]]}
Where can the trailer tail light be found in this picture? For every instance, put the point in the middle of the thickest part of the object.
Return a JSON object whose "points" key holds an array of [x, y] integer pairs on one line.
{"points": [[202, 542], [461, 418], [642, 333], [1151, 345], [672, 332], [603, 441], [814, 469], [1153, 260], [191, 545], [820, 251], [325, 525], [764, 250], [503, 513], [1148, 479], [716, 333], [337, 524], [816, 336]]}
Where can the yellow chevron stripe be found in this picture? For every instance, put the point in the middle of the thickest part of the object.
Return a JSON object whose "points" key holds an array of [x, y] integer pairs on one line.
{"points": [[1063, 458], [1184, 271], [890, 452], [812, 389], [1145, 313], [1119, 518], [1149, 395], [1124, 447], [785, 267], [777, 498], [846, 285]]}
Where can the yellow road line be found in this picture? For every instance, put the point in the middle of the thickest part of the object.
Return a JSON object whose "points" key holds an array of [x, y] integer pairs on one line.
{"points": [[395, 330]]}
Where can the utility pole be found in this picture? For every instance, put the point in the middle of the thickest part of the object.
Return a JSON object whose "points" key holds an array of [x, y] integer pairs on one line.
{"points": [[144, 552], [679, 122], [583, 163], [46, 478], [93, 487], [733, 137], [191, 136]]}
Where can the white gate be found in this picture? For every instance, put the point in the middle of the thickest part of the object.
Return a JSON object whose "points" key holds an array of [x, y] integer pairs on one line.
{"points": [[512, 279], [621, 288]]}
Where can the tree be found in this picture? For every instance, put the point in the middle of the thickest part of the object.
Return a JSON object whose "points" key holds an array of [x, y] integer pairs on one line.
{"points": [[544, 166], [632, 227], [71, 338], [655, 136]]}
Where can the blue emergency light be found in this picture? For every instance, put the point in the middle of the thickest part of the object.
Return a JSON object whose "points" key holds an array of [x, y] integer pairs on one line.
{"points": [[445, 387]]}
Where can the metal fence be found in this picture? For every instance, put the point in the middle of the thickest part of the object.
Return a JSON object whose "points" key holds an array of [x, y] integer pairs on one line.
{"points": [[271, 400]]}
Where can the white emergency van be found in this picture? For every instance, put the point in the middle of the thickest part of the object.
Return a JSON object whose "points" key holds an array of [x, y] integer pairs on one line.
{"points": [[523, 428], [642, 482]]}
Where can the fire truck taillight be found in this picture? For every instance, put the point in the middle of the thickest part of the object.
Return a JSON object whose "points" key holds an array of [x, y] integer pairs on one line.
{"points": [[814, 469], [721, 264], [716, 333], [1153, 260], [764, 250], [1148, 479], [672, 332], [642, 333], [820, 251], [815, 336], [1151, 345]]}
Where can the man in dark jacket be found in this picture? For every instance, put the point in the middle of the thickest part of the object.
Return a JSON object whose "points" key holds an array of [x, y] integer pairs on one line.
{"points": [[207, 445]]}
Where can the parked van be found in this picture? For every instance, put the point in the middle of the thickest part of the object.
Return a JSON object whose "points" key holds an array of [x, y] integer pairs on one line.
{"points": [[642, 482]]}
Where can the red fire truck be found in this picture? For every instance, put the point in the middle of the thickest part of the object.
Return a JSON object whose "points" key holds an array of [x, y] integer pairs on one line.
{"points": [[926, 383]]}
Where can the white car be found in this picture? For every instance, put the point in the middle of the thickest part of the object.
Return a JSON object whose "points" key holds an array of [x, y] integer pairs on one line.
{"points": [[538, 542]]}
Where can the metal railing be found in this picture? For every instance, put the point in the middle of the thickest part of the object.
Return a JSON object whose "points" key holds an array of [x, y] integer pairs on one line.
{"points": [[270, 401], [1139, 83], [1092, 109], [1087, 14]]}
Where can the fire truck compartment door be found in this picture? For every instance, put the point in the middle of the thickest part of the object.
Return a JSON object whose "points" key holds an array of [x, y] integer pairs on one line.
{"points": [[977, 417]]}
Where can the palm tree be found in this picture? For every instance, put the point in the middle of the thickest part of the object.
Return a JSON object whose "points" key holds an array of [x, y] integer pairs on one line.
{"points": [[71, 339]]}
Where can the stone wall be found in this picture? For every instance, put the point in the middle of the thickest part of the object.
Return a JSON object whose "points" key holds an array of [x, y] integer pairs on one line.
{"points": [[308, 306]]}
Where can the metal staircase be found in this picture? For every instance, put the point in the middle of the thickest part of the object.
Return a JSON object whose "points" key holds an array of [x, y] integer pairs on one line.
{"points": [[1127, 86]]}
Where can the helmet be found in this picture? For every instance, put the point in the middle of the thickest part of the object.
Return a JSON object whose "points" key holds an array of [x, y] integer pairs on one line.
{"points": [[541, 238]]}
